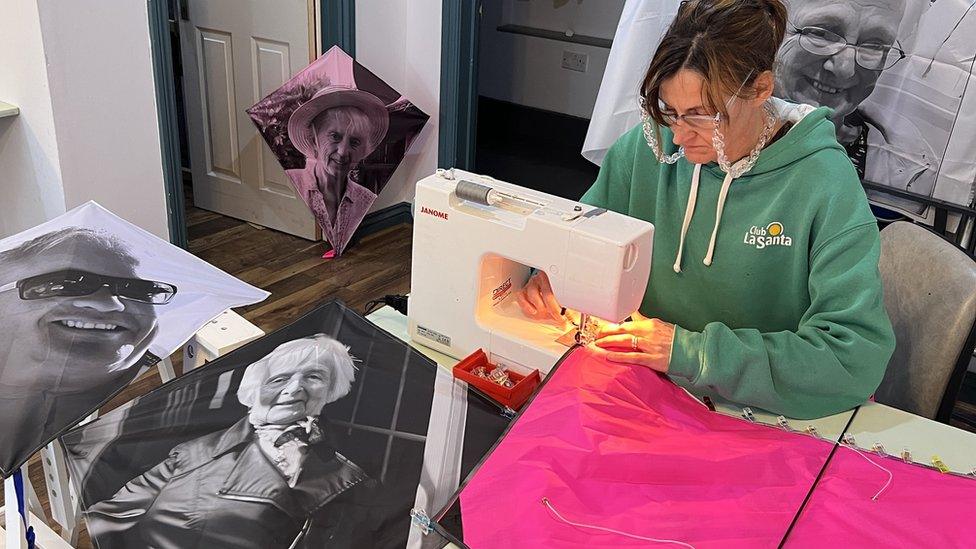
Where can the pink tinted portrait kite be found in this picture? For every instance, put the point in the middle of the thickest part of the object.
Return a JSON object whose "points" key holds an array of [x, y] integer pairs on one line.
{"points": [[339, 132], [87, 302]]}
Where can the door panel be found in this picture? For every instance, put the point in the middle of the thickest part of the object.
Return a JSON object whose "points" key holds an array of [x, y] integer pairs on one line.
{"points": [[235, 52], [271, 69]]}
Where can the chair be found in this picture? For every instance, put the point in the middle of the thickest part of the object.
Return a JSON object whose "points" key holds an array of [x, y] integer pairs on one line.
{"points": [[930, 295]]}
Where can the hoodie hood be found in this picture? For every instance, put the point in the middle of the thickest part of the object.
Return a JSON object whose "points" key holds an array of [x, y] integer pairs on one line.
{"points": [[812, 131]]}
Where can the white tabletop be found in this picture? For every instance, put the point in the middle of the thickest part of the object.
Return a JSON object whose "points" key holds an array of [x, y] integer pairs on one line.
{"points": [[830, 427], [873, 422], [924, 438]]}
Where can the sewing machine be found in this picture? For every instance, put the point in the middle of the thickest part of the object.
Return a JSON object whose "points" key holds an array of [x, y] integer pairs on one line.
{"points": [[474, 242]]}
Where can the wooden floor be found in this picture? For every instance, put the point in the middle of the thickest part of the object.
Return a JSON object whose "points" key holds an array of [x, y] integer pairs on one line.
{"points": [[293, 270]]}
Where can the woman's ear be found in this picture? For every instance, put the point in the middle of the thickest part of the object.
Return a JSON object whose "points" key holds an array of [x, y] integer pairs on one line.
{"points": [[763, 87]]}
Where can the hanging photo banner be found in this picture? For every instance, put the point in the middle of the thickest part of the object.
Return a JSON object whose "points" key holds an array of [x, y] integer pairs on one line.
{"points": [[899, 96], [325, 433], [897, 74], [339, 132], [87, 302]]}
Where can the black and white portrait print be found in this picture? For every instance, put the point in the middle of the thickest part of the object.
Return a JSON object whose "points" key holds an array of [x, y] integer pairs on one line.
{"points": [[339, 133], [86, 302], [895, 74], [325, 433]]}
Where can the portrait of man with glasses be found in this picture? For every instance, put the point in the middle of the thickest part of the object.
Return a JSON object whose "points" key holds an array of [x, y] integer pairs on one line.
{"points": [[833, 55], [75, 318]]}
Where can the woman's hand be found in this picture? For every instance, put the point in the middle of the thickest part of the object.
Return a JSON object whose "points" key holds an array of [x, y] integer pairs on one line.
{"points": [[643, 341], [537, 300]]}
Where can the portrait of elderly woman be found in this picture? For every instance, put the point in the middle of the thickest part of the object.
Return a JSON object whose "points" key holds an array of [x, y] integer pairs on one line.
{"points": [[75, 319], [266, 481], [335, 130], [339, 132]]}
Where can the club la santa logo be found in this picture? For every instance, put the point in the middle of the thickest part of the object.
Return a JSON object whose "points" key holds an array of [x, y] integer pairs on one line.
{"points": [[771, 235]]}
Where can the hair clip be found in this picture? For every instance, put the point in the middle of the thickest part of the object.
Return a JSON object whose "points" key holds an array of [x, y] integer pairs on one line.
{"points": [[419, 518], [879, 449], [747, 414], [939, 464], [906, 455], [784, 423]]}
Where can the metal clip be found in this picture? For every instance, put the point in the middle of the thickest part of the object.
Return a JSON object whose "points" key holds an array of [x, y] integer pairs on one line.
{"points": [[906, 456], [939, 464], [419, 518], [879, 449], [784, 423], [849, 440], [747, 414], [812, 431]]}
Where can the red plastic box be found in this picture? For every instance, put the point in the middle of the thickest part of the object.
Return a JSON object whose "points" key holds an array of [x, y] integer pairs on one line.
{"points": [[513, 397]]}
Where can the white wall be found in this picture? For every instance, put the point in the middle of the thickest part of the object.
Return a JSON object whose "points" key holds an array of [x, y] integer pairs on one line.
{"points": [[400, 41], [528, 70], [102, 90], [81, 73], [30, 173]]}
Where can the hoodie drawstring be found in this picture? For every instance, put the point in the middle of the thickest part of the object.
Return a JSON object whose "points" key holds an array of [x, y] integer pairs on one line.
{"points": [[726, 183], [689, 212]]}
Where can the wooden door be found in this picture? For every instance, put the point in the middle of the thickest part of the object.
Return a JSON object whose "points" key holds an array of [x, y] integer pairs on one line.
{"points": [[236, 52]]}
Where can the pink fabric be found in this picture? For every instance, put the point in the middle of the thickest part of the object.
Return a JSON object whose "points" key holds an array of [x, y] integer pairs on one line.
{"points": [[352, 207], [621, 447], [921, 508], [329, 254]]}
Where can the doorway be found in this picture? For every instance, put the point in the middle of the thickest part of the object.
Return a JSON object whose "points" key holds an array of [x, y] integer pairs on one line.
{"points": [[520, 80], [213, 59]]}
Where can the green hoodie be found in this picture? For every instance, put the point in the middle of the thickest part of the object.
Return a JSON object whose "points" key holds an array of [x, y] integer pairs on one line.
{"points": [[789, 315]]}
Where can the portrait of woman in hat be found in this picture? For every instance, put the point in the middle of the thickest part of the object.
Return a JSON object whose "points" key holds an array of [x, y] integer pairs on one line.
{"points": [[335, 130], [340, 132]]}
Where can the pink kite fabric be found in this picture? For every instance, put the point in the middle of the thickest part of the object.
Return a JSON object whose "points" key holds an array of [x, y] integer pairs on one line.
{"points": [[622, 447], [921, 508]]}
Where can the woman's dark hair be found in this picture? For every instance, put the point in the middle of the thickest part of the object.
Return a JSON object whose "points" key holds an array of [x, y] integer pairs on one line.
{"points": [[725, 41]]}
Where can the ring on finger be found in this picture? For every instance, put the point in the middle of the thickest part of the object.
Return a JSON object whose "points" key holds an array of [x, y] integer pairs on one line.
{"points": [[633, 343]]}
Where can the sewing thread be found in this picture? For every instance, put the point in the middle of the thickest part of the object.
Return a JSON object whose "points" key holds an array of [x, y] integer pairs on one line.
{"points": [[548, 504]]}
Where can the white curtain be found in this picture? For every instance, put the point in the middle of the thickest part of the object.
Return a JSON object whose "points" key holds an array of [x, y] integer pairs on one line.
{"points": [[642, 24]]}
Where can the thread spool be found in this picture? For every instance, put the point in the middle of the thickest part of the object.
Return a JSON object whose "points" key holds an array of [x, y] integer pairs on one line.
{"points": [[474, 192]]}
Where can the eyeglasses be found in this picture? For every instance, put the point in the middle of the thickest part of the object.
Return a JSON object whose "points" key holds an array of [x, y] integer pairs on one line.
{"points": [[872, 55], [75, 283], [698, 121]]}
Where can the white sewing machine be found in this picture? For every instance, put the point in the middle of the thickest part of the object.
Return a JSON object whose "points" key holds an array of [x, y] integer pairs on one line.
{"points": [[474, 241]]}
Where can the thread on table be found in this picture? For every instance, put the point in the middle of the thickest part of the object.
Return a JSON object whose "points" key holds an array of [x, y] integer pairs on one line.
{"points": [[869, 460], [552, 509]]}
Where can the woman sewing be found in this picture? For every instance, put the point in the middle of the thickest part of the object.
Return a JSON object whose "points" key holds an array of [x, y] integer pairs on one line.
{"points": [[765, 287]]}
